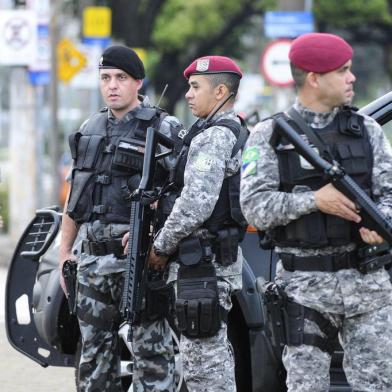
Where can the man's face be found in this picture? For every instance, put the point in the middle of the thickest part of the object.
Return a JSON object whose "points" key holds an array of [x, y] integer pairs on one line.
{"points": [[336, 88], [119, 90], [200, 96]]}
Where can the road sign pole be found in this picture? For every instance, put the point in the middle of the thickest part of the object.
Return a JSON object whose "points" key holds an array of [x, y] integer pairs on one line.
{"points": [[54, 147]]}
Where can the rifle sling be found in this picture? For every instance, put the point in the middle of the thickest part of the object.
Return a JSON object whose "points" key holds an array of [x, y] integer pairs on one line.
{"points": [[311, 134]]}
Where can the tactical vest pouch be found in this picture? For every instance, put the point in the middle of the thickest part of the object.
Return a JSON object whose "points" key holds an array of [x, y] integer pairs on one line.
{"points": [[235, 208], [190, 251], [352, 157], [226, 246], [129, 155], [88, 151], [159, 296], [80, 182], [73, 140], [197, 305]]}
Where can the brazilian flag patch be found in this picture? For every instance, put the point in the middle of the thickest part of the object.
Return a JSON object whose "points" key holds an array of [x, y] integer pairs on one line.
{"points": [[249, 161]]}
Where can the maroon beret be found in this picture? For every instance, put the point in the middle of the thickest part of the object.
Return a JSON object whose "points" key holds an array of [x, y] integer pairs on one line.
{"points": [[319, 52], [212, 65]]}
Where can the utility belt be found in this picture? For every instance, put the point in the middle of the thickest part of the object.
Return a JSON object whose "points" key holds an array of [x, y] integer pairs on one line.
{"points": [[103, 248], [366, 259], [202, 247]]}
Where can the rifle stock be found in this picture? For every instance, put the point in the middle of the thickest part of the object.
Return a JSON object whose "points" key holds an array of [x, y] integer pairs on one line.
{"points": [[372, 217]]}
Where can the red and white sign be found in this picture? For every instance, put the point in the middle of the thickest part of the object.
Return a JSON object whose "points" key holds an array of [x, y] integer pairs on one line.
{"points": [[275, 64], [18, 37]]}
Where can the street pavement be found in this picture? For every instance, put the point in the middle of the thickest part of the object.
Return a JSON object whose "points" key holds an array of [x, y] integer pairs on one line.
{"points": [[18, 373]]}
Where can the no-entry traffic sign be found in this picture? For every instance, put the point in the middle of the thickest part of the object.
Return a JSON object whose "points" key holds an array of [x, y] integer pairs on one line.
{"points": [[275, 65]]}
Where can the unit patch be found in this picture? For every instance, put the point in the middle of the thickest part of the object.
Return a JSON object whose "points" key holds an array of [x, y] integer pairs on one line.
{"points": [[205, 163]]}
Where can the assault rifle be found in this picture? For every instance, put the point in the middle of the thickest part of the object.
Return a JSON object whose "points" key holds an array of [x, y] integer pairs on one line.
{"points": [[140, 232], [372, 217]]}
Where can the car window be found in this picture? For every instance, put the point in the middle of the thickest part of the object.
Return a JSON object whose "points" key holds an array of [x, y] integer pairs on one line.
{"points": [[388, 130]]}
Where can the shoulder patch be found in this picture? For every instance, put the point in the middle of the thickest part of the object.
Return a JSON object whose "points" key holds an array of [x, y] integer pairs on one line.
{"points": [[205, 162], [251, 154]]}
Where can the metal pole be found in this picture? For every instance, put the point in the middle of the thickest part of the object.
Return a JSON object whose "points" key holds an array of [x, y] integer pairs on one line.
{"points": [[308, 5], [54, 134]]}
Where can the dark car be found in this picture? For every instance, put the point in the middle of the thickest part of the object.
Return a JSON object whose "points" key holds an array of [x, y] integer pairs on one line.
{"points": [[39, 325]]}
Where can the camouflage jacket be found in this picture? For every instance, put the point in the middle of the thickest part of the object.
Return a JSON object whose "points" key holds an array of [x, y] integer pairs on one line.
{"points": [[209, 162], [265, 207]]}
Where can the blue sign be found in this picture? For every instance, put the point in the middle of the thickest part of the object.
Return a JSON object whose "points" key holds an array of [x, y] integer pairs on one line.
{"points": [[38, 78], [102, 42], [288, 24], [39, 70]]}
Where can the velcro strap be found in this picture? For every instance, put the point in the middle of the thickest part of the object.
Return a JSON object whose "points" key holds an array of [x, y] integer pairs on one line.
{"points": [[89, 292], [102, 248], [181, 313], [315, 340], [99, 209], [206, 313], [193, 317], [109, 148], [103, 179], [326, 263], [324, 324]]}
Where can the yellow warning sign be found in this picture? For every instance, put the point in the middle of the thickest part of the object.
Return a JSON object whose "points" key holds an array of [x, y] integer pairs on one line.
{"points": [[142, 53], [97, 22], [70, 60]]}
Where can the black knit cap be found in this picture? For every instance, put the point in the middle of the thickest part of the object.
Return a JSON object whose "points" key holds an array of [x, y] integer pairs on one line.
{"points": [[124, 58]]}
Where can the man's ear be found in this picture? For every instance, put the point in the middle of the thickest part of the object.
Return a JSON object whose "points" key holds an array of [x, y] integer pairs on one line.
{"points": [[139, 83], [221, 91], [312, 78]]}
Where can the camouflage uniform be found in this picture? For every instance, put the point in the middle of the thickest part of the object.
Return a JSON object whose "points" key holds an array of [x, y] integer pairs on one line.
{"points": [[208, 362], [152, 343], [359, 305]]}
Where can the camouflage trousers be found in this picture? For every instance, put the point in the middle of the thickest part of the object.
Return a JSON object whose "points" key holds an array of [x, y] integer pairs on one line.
{"points": [[360, 306], [208, 363], [99, 362], [153, 357]]}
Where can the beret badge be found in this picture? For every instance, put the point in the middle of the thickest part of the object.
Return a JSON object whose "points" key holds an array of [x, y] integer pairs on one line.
{"points": [[202, 65]]}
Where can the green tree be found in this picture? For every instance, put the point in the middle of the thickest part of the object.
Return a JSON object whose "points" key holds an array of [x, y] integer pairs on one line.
{"points": [[175, 32]]}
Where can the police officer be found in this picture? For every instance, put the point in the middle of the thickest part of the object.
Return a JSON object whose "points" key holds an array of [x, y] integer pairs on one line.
{"points": [[204, 227], [316, 230], [105, 172]]}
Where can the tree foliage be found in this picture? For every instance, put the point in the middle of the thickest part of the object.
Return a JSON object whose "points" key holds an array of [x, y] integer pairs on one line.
{"points": [[363, 20], [175, 32]]}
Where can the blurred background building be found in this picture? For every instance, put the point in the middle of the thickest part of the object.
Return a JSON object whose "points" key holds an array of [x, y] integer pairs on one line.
{"points": [[49, 52]]}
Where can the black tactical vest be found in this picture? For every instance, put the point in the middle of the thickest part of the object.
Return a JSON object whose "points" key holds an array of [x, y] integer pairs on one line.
{"points": [[107, 167], [227, 211], [347, 140]]}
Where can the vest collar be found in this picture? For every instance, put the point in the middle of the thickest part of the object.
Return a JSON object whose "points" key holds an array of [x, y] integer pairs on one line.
{"points": [[313, 119]]}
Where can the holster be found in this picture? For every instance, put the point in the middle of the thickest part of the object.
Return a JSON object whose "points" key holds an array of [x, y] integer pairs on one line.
{"points": [[69, 273], [286, 320], [159, 296], [197, 306]]}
